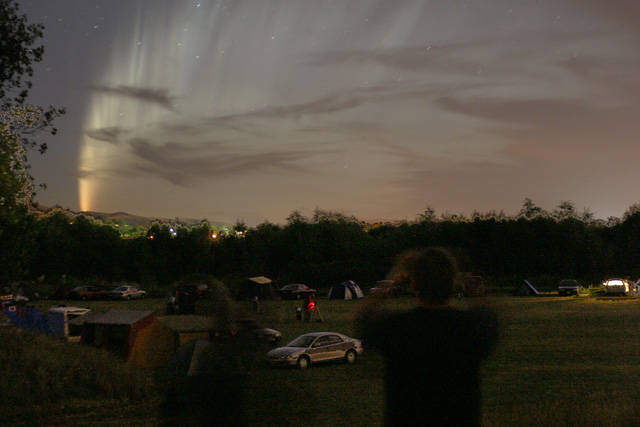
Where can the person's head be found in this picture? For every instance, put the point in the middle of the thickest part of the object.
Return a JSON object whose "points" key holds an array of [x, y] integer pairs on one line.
{"points": [[430, 273]]}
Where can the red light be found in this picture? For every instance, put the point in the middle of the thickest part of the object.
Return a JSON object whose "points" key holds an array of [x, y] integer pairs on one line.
{"points": [[312, 305]]}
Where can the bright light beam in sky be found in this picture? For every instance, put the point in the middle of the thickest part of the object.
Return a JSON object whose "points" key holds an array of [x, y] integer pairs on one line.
{"points": [[206, 91]]}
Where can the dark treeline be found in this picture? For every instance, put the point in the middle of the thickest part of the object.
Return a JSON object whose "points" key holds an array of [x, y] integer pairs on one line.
{"points": [[325, 249]]}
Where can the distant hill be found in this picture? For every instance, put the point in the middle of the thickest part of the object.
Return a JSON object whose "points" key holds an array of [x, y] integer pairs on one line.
{"points": [[130, 219], [144, 221], [123, 216]]}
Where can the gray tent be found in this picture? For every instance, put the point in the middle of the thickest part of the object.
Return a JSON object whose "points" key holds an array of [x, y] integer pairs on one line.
{"points": [[345, 290], [526, 289]]}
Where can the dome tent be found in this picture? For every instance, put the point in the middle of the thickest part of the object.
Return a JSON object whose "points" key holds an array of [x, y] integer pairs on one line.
{"points": [[526, 289], [345, 290]]}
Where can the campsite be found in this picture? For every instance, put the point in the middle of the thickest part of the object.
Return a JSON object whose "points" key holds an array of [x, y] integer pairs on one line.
{"points": [[560, 361]]}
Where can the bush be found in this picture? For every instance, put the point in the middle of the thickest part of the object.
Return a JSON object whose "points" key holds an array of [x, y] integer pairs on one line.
{"points": [[40, 370]]}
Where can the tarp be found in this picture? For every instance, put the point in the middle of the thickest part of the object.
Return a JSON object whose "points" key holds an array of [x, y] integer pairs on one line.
{"points": [[345, 290], [26, 318], [526, 289], [156, 344]]}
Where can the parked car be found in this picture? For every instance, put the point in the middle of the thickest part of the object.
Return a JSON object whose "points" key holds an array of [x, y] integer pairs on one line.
{"points": [[126, 292], [88, 293], [20, 293], [316, 347], [617, 287], [296, 291], [568, 287], [262, 335]]}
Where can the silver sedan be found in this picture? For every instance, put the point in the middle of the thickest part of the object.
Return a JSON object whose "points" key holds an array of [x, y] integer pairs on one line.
{"points": [[316, 347], [126, 292]]}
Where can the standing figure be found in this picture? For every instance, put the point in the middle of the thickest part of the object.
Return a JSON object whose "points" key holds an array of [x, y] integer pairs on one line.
{"points": [[308, 305], [432, 352]]}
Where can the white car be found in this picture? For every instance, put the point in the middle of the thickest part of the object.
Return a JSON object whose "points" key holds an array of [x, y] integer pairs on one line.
{"points": [[316, 347], [617, 286], [126, 292]]}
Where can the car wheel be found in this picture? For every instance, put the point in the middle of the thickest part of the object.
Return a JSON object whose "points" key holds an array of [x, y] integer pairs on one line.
{"points": [[350, 357], [303, 362], [128, 297]]}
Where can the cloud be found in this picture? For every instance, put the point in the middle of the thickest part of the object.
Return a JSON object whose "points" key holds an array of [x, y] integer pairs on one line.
{"points": [[328, 104], [573, 135], [454, 56], [83, 174], [150, 95], [108, 134], [187, 164], [613, 76]]}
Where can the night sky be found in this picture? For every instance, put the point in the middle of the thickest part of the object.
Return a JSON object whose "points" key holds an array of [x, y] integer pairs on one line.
{"points": [[250, 109]]}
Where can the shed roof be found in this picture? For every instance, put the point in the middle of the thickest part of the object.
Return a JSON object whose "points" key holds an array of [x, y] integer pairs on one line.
{"points": [[120, 317]]}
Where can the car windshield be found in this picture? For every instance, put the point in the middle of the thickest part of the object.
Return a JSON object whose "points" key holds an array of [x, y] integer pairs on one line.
{"points": [[568, 283], [614, 283], [120, 289], [302, 341]]}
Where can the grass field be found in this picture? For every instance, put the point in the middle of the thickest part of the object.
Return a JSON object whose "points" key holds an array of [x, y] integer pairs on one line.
{"points": [[561, 361]]}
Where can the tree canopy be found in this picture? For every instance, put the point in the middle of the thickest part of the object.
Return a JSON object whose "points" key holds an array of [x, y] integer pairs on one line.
{"points": [[20, 49]]}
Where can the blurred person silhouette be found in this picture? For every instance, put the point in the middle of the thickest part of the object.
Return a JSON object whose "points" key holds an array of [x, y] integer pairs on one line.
{"points": [[206, 378], [432, 352]]}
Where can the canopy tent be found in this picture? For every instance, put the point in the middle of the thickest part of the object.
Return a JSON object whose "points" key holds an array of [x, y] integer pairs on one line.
{"points": [[157, 343], [526, 289], [345, 290], [260, 286]]}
